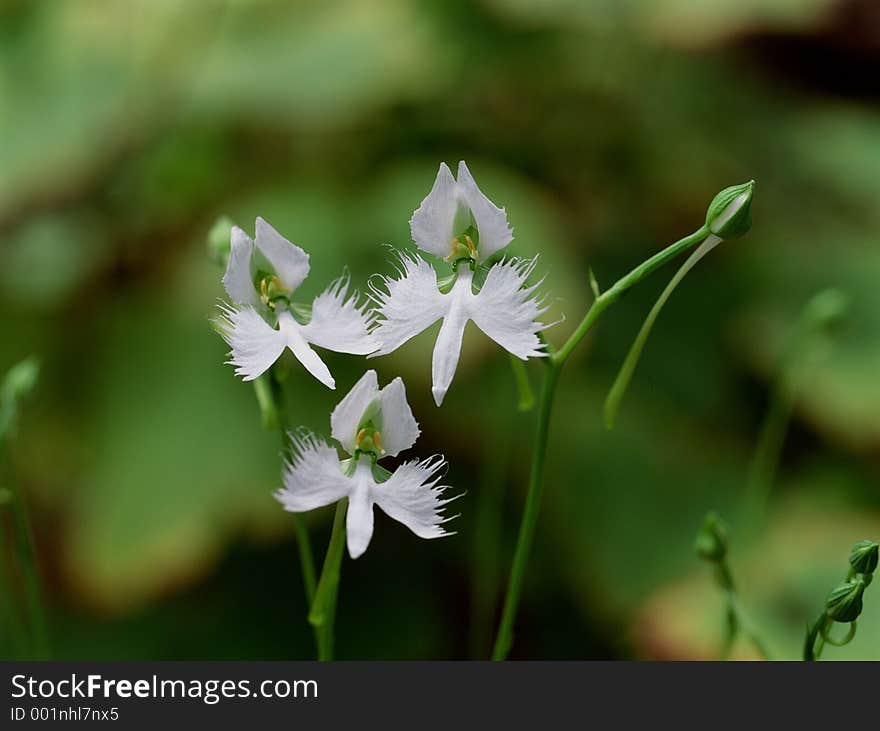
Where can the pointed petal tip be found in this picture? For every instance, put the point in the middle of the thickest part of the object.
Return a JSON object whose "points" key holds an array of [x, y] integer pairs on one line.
{"points": [[439, 395]]}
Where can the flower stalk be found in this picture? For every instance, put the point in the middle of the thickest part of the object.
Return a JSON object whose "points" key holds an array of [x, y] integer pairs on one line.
{"points": [[323, 613], [822, 313], [273, 410], [733, 216], [18, 383], [712, 546], [844, 602]]}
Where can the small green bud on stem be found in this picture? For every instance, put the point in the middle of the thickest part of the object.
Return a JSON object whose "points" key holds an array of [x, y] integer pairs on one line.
{"points": [[826, 309], [711, 542], [863, 558], [844, 602], [219, 241], [711, 545], [730, 213], [19, 382]]}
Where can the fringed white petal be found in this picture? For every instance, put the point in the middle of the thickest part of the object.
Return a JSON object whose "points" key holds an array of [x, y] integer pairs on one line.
{"points": [[407, 305], [447, 349], [491, 221], [312, 476], [359, 517], [237, 279], [338, 323], [431, 225], [506, 310], [290, 262], [311, 361], [398, 426], [346, 417], [412, 496], [255, 344]]}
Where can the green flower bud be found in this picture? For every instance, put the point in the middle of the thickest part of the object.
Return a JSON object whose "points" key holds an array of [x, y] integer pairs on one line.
{"points": [[711, 541], [219, 242], [844, 603], [863, 558], [730, 213], [826, 309], [20, 380]]}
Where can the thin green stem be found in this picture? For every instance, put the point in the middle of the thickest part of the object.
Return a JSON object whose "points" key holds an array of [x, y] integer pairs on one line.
{"points": [[737, 620], [614, 293], [814, 632], [822, 311], [14, 628], [24, 541], [554, 362], [526, 400], [504, 638], [487, 535], [768, 452], [306, 558], [624, 376], [271, 399], [323, 613]]}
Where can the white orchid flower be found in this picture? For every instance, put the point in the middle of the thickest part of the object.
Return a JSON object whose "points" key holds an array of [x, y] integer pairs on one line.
{"points": [[369, 423], [461, 225], [260, 278]]}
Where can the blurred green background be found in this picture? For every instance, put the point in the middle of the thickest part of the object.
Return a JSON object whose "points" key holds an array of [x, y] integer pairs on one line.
{"points": [[605, 128]]}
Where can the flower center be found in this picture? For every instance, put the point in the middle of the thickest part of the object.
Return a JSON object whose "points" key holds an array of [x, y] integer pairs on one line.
{"points": [[369, 441], [273, 292], [463, 247]]}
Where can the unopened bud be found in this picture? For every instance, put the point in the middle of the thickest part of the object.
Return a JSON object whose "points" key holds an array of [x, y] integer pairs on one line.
{"points": [[826, 309], [863, 558], [20, 379], [219, 243], [844, 603], [730, 213], [711, 541]]}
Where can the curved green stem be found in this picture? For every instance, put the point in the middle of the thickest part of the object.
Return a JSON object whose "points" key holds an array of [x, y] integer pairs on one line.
{"points": [[610, 296], [14, 630], [33, 593], [270, 397], [555, 360], [323, 611], [821, 312], [736, 616], [526, 400], [814, 632], [24, 541], [306, 558], [615, 395], [504, 638]]}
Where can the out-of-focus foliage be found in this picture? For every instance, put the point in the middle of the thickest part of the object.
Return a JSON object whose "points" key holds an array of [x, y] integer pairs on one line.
{"points": [[605, 128]]}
